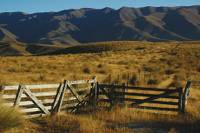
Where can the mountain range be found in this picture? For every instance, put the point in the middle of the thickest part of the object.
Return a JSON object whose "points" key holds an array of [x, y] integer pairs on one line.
{"points": [[77, 26]]}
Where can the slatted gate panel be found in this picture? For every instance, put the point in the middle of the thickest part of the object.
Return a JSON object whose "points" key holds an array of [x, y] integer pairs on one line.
{"points": [[78, 90], [37, 100], [163, 99], [44, 95]]}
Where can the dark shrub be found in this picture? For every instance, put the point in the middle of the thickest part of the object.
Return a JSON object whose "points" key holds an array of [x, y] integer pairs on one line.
{"points": [[133, 79], [169, 71], [152, 81], [100, 66], [86, 70]]}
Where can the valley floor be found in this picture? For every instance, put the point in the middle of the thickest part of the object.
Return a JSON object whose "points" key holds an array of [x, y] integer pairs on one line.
{"points": [[135, 63]]}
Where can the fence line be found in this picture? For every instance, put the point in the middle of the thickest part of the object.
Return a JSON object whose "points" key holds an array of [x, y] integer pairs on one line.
{"points": [[138, 96], [45, 99]]}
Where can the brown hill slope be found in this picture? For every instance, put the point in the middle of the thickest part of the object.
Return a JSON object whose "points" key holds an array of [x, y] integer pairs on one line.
{"points": [[69, 27]]}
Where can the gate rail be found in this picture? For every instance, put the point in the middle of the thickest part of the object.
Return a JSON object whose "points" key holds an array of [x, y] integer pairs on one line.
{"points": [[167, 99], [45, 99]]}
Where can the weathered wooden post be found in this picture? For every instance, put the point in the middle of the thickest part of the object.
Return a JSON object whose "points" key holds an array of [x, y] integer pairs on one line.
{"points": [[111, 93], [180, 100], [64, 86], [94, 92], [97, 97], [57, 100], [1, 90], [185, 95], [120, 97], [18, 95]]}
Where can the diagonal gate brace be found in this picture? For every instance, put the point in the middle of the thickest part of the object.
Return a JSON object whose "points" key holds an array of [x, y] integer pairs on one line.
{"points": [[154, 97], [59, 97], [35, 100], [74, 93], [18, 96]]}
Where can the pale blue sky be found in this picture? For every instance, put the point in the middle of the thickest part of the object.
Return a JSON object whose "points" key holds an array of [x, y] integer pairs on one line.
{"points": [[31, 6]]}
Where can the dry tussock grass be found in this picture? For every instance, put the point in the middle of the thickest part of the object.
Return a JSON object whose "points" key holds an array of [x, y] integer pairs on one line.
{"points": [[152, 63], [147, 64], [115, 121], [9, 117]]}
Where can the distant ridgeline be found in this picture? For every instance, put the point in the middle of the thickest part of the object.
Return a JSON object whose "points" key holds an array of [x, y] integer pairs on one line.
{"points": [[85, 25]]}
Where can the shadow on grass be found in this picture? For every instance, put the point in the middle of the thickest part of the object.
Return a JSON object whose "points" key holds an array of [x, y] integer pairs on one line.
{"points": [[57, 124], [159, 126]]}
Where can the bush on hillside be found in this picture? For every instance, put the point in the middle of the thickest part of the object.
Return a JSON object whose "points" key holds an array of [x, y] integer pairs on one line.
{"points": [[169, 71], [152, 82], [86, 70], [133, 79]]}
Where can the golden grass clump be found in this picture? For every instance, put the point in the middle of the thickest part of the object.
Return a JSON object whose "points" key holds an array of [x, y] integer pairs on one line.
{"points": [[9, 117], [58, 124], [67, 123]]}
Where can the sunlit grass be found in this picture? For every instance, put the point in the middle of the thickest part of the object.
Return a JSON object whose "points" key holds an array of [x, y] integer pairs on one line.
{"points": [[139, 64], [9, 117]]}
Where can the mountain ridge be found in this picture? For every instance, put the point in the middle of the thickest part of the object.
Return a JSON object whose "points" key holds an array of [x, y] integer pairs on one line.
{"points": [[76, 26], [93, 25]]}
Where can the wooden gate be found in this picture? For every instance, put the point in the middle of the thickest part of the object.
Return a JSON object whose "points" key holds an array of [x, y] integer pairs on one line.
{"points": [[165, 99], [45, 99], [70, 96]]}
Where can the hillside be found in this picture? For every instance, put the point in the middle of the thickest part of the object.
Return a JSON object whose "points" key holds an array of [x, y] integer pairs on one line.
{"points": [[15, 48], [102, 59], [72, 27]]}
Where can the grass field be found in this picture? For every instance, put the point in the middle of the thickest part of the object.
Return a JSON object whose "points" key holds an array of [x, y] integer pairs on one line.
{"points": [[161, 64]]}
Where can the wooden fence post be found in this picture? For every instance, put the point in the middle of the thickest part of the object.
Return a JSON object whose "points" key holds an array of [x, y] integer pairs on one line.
{"points": [[18, 96], [113, 96], [94, 93], [57, 98], [98, 90], [65, 84], [180, 100], [1, 90], [185, 95], [123, 91], [120, 95]]}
